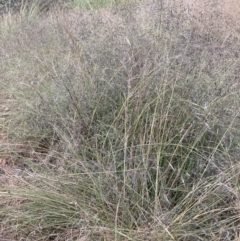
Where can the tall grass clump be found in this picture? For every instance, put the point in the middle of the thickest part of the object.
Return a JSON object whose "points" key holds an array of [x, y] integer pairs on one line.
{"points": [[127, 124]]}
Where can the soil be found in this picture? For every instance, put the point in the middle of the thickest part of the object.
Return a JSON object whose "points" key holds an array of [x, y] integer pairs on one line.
{"points": [[9, 167]]}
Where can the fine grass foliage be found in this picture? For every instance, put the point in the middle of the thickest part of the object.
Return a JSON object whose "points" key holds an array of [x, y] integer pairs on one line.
{"points": [[125, 123], [96, 4]]}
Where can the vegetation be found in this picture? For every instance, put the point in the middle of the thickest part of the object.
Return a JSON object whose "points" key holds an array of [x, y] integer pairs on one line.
{"points": [[119, 122]]}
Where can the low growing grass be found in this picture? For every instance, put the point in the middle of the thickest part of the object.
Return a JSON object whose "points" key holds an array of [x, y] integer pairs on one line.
{"points": [[126, 125]]}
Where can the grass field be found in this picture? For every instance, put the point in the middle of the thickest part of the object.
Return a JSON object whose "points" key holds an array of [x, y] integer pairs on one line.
{"points": [[119, 120]]}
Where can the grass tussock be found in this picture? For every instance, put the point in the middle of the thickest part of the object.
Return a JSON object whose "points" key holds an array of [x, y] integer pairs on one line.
{"points": [[125, 122]]}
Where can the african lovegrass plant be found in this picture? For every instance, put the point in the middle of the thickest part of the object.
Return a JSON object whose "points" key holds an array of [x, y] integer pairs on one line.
{"points": [[130, 130]]}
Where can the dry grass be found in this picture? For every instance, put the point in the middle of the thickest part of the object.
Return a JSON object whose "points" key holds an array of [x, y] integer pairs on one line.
{"points": [[205, 14], [123, 124]]}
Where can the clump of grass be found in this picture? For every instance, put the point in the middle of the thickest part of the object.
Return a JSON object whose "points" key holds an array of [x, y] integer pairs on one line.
{"points": [[128, 127]]}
